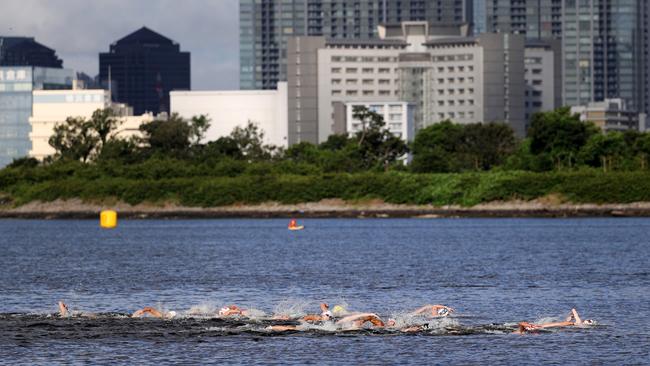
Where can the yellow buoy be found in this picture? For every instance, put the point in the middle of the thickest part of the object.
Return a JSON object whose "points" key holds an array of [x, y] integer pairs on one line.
{"points": [[108, 219]]}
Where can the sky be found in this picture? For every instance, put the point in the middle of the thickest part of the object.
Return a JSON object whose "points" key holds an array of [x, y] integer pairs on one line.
{"points": [[80, 29]]}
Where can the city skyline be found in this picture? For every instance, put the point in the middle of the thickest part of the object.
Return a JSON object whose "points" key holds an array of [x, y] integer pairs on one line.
{"points": [[208, 29]]}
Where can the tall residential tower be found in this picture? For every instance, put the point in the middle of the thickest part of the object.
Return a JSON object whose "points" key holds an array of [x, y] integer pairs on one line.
{"points": [[605, 45], [536, 19], [266, 25]]}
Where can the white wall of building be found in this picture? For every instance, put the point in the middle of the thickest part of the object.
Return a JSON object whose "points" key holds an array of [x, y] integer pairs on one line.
{"points": [[230, 109], [55, 106], [398, 117], [354, 74]]}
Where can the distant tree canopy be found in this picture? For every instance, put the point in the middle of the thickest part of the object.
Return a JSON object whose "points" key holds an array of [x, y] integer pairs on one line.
{"points": [[449, 147], [556, 140]]}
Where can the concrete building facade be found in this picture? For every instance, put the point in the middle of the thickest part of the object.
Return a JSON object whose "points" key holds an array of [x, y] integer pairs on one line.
{"points": [[230, 109], [611, 115], [267, 25], [543, 73], [441, 71], [398, 117], [55, 106]]}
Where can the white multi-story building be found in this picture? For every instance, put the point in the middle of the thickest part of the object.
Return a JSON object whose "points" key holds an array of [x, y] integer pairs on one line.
{"points": [[398, 117], [230, 109], [50, 107], [444, 73]]}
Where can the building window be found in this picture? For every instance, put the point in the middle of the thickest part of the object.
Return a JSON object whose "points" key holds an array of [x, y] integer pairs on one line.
{"points": [[336, 58], [384, 81], [336, 70], [336, 93], [368, 92], [336, 81], [384, 92], [351, 93], [351, 70], [368, 81], [351, 59], [383, 70], [350, 81], [367, 70]]}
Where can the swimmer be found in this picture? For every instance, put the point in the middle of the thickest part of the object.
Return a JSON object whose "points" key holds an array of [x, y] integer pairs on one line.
{"points": [[434, 311], [325, 315], [154, 313], [571, 321], [356, 321], [232, 310]]}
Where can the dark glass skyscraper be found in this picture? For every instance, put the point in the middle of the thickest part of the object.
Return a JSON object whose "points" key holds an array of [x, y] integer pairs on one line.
{"points": [[265, 26], [145, 66], [25, 51]]}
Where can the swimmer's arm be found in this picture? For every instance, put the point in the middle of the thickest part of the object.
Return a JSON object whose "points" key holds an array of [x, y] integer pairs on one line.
{"points": [[574, 312], [147, 310], [63, 309]]}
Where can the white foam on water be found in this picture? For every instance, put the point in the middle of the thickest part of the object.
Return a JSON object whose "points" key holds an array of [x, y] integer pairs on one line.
{"points": [[292, 308], [205, 309]]}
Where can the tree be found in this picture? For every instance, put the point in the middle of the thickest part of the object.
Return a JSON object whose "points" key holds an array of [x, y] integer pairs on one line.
{"points": [[103, 122], [560, 135], [199, 125], [250, 142], [434, 148], [170, 136], [376, 144], [605, 150], [223, 147], [486, 145], [75, 139]]}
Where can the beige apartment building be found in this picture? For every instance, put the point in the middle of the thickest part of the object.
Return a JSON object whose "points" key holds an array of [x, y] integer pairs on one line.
{"points": [[442, 72]]}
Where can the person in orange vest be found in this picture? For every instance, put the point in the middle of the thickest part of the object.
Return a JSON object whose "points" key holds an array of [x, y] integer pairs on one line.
{"points": [[292, 224]]}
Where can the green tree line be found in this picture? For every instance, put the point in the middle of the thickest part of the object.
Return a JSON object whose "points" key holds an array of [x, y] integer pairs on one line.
{"points": [[170, 160]]}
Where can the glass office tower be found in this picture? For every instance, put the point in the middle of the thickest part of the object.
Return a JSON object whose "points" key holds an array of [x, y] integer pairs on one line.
{"points": [[537, 19], [145, 66], [605, 45], [16, 86], [265, 26]]}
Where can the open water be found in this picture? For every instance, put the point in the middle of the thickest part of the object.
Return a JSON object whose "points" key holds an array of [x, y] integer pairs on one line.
{"points": [[494, 272]]}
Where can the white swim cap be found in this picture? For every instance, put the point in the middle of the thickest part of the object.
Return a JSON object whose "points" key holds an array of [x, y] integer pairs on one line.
{"points": [[327, 313], [171, 314], [224, 310]]}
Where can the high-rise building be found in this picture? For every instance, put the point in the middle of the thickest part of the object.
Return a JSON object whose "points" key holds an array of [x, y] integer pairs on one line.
{"points": [[25, 51], [16, 87], [441, 72], [605, 45], [536, 19], [266, 25], [144, 67]]}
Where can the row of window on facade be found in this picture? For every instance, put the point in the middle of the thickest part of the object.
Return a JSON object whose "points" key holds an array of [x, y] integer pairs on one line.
{"points": [[11, 75], [452, 115], [455, 102], [367, 93]]}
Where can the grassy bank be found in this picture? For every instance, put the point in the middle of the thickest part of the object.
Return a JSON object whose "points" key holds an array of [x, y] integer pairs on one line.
{"points": [[20, 186]]}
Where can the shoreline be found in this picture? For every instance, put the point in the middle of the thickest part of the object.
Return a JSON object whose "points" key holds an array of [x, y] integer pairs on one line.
{"points": [[76, 209]]}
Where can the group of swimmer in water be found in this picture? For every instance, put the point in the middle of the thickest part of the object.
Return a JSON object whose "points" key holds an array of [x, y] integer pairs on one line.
{"points": [[351, 321]]}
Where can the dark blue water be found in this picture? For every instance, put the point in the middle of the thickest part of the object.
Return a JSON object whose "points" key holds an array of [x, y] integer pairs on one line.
{"points": [[493, 271]]}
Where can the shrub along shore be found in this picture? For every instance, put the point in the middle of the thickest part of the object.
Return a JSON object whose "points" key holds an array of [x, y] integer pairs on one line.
{"points": [[454, 170], [420, 194]]}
